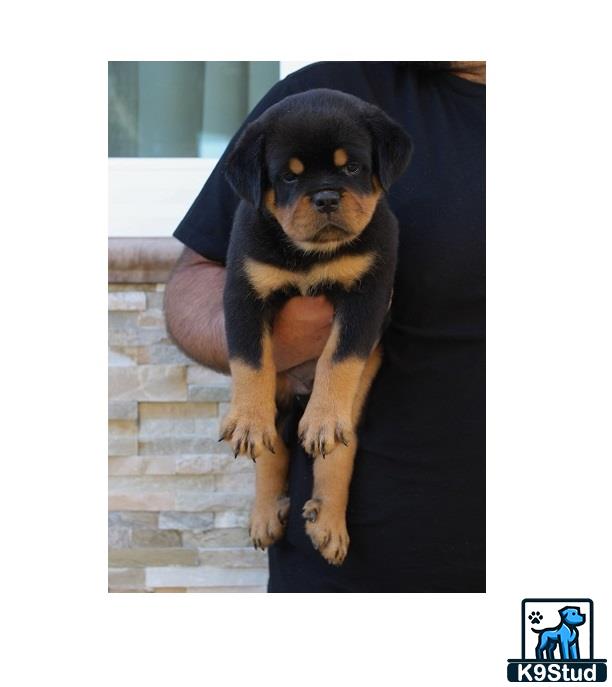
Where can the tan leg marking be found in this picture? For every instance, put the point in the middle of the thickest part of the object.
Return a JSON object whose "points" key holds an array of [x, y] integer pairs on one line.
{"points": [[327, 418], [249, 424], [325, 512], [271, 505]]}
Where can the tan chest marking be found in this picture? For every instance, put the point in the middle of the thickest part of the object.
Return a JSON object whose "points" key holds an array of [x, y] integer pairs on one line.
{"points": [[346, 271]]}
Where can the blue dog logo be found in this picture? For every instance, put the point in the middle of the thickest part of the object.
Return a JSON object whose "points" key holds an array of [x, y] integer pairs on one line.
{"points": [[557, 655], [564, 636]]}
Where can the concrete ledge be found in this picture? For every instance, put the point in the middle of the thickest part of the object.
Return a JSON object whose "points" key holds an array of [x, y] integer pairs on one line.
{"points": [[141, 260]]}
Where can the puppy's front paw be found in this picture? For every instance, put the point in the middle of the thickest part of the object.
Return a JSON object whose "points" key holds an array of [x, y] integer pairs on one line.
{"points": [[327, 531], [268, 522], [320, 430], [249, 431]]}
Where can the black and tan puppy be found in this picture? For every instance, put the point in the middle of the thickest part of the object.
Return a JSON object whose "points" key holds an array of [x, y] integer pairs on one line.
{"points": [[311, 172]]}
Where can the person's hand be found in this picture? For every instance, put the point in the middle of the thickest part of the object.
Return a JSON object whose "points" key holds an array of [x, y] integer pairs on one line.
{"points": [[299, 333]]}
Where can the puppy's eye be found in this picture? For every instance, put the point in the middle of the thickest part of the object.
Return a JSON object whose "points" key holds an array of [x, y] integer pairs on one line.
{"points": [[352, 168], [289, 177]]}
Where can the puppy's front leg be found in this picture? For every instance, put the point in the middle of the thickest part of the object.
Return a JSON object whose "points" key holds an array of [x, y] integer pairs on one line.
{"points": [[327, 419], [250, 422], [325, 512]]}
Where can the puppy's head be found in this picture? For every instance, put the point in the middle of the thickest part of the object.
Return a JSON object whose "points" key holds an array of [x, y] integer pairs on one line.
{"points": [[318, 162]]}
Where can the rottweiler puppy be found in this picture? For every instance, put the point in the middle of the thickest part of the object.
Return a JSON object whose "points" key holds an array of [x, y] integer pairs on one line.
{"points": [[311, 173]]}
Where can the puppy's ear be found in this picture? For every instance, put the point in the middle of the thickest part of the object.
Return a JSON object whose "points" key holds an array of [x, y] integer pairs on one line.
{"points": [[392, 147], [244, 168]]}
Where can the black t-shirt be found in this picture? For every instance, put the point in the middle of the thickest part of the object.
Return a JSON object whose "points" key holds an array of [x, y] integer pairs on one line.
{"points": [[416, 513]]}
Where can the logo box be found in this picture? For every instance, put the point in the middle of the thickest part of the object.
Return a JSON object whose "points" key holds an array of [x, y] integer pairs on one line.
{"points": [[557, 643]]}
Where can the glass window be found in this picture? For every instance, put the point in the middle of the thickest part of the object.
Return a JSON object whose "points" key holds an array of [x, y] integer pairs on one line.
{"points": [[181, 109]]}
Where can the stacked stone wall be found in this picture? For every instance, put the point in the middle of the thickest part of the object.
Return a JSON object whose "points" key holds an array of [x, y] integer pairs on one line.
{"points": [[178, 501]]}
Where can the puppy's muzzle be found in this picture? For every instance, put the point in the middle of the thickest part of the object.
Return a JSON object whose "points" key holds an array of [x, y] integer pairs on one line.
{"points": [[327, 201]]}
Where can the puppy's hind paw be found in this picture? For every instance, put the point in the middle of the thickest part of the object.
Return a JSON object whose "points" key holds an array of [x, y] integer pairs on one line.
{"points": [[268, 522], [327, 531]]}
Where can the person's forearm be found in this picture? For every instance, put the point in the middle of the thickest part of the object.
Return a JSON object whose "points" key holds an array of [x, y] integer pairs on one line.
{"points": [[300, 331], [194, 310]]}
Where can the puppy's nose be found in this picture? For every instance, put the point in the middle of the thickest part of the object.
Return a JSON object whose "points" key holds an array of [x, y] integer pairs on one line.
{"points": [[326, 201]]}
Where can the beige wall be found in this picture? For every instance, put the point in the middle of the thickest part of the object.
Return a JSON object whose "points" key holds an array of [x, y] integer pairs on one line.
{"points": [[178, 501]]}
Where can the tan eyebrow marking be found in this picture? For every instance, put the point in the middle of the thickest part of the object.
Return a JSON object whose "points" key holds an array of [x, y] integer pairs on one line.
{"points": [[296, 165], [340, 157]]}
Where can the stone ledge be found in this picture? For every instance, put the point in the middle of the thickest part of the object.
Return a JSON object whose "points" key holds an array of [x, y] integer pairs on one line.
{"points": [[142, 260]]}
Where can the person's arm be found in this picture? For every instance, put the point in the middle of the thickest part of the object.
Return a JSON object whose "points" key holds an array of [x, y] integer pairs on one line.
{"points": [[194, 316], [194, 309]]}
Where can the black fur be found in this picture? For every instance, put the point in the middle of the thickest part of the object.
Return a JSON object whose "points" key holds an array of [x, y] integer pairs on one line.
{"points": [[310, 126], [392, 148]]}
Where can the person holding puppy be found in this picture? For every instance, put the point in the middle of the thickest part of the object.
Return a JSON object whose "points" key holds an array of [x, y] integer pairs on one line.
{"points": [[416, 509]]}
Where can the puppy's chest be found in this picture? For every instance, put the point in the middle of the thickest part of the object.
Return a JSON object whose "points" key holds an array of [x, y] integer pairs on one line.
{"points": [[345, 271]]}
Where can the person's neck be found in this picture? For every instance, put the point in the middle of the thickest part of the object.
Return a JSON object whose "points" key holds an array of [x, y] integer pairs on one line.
{"points": [[472, 71]]}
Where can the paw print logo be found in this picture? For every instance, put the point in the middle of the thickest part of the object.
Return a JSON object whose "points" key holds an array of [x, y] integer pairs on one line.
{"points": [[535, 617]]}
